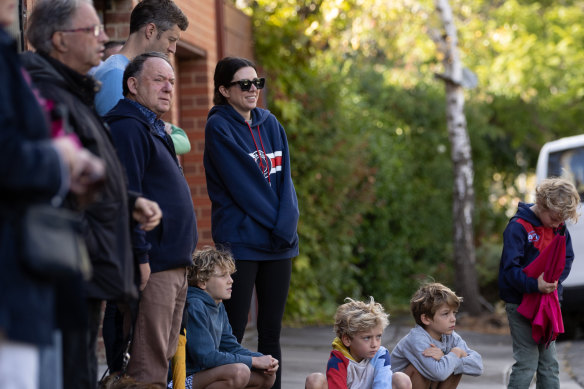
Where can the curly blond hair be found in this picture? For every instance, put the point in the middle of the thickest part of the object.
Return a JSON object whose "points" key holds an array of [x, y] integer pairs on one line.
{"points": [[205, 261], [560, 196], [358, 316], [429, 298]]}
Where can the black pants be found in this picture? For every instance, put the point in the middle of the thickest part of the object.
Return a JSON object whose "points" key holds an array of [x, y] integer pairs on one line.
{"points": [[272, 281], [113, 336], [79, 351]]}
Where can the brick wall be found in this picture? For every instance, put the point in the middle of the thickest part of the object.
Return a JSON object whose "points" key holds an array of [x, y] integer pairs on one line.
{"points": [[237, 32], [196, 99], [115, 15]]}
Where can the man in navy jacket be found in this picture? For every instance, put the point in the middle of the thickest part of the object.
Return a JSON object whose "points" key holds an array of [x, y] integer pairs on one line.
{"points": [[148, 154]]}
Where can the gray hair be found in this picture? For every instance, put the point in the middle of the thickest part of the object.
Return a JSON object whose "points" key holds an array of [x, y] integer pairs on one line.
{"points": [[48, 17]]}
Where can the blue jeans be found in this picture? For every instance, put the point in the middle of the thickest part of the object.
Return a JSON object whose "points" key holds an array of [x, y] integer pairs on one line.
{"points": [[51, 364], [530, 357]]}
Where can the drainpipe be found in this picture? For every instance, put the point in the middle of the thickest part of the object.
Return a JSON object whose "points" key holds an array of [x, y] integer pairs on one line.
{"points": [[220, 29]]}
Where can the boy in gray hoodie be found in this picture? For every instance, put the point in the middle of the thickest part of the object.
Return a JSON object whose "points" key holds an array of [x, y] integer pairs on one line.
{"points": [[432, 353]]}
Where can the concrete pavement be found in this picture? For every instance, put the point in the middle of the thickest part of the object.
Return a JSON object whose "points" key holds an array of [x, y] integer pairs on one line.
{"points": [[306, 350]]}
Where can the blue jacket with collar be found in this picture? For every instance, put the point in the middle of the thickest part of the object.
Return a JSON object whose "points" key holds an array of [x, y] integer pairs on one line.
{"points": [[153, 170]]}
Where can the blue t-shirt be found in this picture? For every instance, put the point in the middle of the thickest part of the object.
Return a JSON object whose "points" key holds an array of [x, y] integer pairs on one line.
{"points": [[111, 74]]}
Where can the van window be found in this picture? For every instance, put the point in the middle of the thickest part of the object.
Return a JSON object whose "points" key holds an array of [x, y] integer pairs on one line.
{"points": [[569, 164]]}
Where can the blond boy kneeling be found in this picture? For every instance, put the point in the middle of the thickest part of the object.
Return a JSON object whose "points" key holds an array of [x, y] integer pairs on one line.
{"points": [[358, 361]]}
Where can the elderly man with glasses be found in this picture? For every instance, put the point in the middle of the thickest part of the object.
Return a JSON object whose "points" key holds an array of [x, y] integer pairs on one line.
{"points": [[69, 41]]}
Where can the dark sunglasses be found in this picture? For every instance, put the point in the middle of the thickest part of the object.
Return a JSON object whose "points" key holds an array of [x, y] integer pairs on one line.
{"points": [[245, 85]]}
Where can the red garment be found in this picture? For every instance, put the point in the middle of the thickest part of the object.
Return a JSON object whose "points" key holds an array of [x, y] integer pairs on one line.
{"points": [[544, 309], [336, 370]]}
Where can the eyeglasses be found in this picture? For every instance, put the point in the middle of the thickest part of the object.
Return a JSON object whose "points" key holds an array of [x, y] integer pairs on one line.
{"points": [[94, 30], [245, 85]]}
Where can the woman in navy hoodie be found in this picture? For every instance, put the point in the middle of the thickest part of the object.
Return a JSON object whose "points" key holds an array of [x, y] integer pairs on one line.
{"points": [[254, 205]]}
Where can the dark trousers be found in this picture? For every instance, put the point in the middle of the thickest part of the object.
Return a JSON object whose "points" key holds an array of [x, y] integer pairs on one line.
{"points": [[113, 336], [79, 351], [272, 281]]}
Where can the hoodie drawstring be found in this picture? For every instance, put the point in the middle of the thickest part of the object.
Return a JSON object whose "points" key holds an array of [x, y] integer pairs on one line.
{"points": [[258, 150]]}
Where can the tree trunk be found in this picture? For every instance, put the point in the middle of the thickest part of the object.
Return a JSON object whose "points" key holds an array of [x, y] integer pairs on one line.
{"points": [[463, 194]]}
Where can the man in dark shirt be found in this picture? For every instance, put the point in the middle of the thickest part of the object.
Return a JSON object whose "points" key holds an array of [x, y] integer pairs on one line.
{"points": [[148, 155]]}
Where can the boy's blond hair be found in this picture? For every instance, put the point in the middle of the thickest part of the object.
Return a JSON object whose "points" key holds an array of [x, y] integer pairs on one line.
{"points": [[560, 196], [429, 298], [206, 260], [358, 316]]}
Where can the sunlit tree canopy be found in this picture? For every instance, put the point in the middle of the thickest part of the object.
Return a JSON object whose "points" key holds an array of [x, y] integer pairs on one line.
{"points": [[354, 84]]}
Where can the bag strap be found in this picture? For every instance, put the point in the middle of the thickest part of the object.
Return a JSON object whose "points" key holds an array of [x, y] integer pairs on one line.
{"points": [[124, 352]]}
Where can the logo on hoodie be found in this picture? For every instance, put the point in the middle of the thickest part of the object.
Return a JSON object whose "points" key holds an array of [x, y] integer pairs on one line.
{"points": [[264, 163], [270, 163], [532, 236]]}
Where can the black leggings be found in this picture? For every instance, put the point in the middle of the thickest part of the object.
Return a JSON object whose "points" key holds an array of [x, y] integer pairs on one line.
{"points": [[272, 281]]}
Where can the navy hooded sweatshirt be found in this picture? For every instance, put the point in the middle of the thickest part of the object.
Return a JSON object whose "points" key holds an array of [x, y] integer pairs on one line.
{"points": [[254, 204], [524, 238], [153, 170], [210, 340]]}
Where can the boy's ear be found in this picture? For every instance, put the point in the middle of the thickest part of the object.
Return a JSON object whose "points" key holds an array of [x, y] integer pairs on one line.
{"points": [[425, 319], [202, 285], [346, 339]]}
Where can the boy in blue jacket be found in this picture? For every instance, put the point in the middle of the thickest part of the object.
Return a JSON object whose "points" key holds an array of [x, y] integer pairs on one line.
{"points": [[528, 233], [432, 354], [212, 353]]}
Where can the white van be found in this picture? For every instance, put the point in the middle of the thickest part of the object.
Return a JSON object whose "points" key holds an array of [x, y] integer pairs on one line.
{"points": [[565, 158]]}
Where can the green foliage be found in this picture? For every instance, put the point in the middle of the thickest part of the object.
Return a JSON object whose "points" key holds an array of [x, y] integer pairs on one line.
{"points": [[353, 84], [405, 236]]}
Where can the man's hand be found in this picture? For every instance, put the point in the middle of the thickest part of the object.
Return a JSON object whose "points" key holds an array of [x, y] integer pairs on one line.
{"points": [[147, 213], [546, 287], [433, 352], [87, 172], [168, 128], [144, 275], [460, 353]]}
